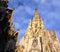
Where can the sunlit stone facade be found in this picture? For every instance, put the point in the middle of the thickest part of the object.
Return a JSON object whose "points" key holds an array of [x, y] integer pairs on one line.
{"points": [[37, 38]]}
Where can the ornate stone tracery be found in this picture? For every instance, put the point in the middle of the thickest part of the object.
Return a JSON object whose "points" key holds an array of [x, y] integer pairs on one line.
{"points": [[38, 38]]}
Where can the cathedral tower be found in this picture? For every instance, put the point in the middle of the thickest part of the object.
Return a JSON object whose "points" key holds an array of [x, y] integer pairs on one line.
{"points": [[37, 38], [35, 26]]}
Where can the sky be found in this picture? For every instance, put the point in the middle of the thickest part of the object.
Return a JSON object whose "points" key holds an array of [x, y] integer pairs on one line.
{"points": [[49, 11]]}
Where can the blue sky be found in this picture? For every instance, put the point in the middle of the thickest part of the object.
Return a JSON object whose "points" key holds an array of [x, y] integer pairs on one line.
{"points": [[49, 10]]}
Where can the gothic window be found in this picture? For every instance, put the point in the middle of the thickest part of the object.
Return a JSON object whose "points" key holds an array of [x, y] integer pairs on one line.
{"points": [[35, 42]]}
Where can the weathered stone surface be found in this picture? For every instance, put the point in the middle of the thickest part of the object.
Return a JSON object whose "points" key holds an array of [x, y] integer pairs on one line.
{"points": [[8, 36], [37, 38]]}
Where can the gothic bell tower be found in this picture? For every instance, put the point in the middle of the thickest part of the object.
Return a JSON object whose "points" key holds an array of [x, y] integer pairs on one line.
{"points": [[37, 38], [35, 26]]}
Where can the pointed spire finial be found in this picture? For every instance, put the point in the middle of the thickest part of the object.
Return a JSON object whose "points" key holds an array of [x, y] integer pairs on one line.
{"points": [[36, 11], [36, 15]]}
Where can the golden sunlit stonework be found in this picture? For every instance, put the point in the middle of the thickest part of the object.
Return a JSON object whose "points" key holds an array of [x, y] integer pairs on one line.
{"points": [[37, 38]]}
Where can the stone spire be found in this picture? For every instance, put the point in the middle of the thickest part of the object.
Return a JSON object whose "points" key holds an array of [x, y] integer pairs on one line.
{"points": [[37, 38], [36, 15], [37, 19], [35, 26]]}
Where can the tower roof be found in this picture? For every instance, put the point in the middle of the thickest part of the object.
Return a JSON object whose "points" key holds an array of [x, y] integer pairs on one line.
{"points": [[35, 26], [36, 15]]}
